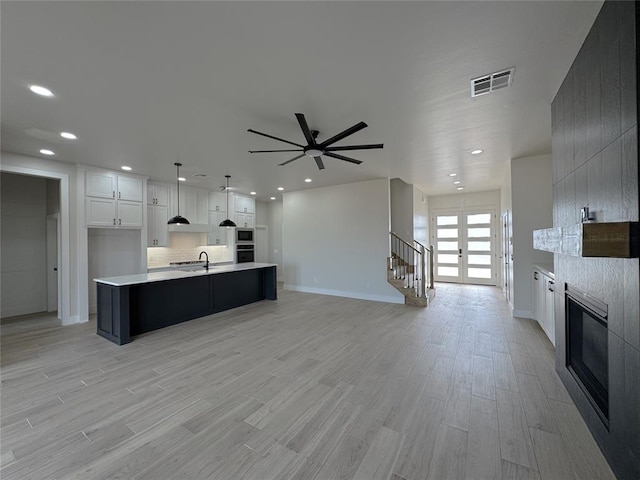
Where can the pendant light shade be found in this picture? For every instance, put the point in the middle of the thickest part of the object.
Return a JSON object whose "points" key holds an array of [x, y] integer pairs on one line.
{"points": [[178, 219], [227, 222]]}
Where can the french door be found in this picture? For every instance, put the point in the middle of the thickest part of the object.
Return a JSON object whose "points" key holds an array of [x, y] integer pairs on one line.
{"points": [[465, 247]]}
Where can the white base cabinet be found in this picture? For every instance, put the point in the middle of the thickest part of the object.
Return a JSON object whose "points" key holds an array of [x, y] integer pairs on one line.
{"points": [[543, 303]]}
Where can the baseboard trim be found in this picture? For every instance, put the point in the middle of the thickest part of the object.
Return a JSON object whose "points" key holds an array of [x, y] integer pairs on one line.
{"points": [[523, 314], [340, 293]]}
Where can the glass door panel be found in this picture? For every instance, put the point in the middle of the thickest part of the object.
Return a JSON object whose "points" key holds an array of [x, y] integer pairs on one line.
{"points": [[448, 243], [465, 247]]}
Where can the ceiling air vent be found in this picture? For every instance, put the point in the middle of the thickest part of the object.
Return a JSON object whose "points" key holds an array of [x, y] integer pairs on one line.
{"points": [[491, 82]]}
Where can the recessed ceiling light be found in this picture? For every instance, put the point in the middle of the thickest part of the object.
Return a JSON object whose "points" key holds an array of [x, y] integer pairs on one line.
{"points": [[125, 167], [453, 174], [252, 193], [280, 189], [45, 151], [68, 136], [478, 151], [182, 179], [273, 198], [45, 92], [460, 188], [457, 182], [308, 180]]}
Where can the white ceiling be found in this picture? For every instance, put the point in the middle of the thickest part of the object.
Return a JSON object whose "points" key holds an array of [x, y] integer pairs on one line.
{"points": [[148, 83]]}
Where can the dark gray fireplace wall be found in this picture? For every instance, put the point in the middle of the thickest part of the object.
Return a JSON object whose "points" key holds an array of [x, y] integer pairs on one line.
{"points": [[595, 164]]}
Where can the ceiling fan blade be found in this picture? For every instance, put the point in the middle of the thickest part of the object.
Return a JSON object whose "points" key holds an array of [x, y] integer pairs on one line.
{"points": [[305, 129], [340, 157], [289, 161], [319, 162], [272, 151], [275, 138], [349, 131], [354, 147]]}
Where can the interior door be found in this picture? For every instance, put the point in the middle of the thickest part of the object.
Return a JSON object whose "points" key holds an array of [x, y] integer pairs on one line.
{"points": [[465, 250]]}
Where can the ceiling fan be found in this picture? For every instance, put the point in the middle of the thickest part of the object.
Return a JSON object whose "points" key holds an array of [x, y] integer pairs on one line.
{"points": [[316, 150]]}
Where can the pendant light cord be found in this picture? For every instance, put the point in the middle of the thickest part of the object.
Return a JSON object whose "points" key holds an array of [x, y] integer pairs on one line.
{"points": [[178, 184]]}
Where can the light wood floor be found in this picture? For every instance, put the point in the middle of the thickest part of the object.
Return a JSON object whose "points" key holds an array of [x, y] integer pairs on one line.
{"points": [[308, 387]]}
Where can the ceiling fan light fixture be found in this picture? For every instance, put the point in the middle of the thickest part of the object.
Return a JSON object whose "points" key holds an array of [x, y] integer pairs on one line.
{"points": [[313, 152], [227, 222], [178, 219]]}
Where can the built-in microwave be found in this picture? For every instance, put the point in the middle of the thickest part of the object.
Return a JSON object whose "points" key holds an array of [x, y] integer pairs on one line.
{"points": [[244, 235]]}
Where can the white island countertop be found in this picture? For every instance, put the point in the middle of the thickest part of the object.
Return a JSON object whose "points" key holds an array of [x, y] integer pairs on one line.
{"points": [[138, 278]]}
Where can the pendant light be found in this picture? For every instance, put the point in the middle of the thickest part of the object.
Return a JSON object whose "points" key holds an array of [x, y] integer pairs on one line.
{"points": [[178, 220], [227, 222]]}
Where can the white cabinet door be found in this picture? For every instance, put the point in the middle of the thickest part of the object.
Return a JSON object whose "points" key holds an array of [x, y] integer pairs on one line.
{"points": [[245, 220], [129, 188], [100, 212], [217, 235], [158, 194], [129, 214], [157, 229], [202, 206], [536, 297], [151, 226], [244, 204], [217, 202], [549, 315], [100, 184]]}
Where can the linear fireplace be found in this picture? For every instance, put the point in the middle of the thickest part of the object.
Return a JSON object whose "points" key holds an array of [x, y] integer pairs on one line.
{"points": [[587, 353]]}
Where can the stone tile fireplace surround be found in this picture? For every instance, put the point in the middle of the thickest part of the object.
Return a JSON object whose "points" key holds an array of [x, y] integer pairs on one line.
{"points": [[595, 165]]}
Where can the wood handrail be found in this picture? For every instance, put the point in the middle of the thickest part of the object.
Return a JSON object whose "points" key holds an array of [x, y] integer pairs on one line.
{"points": [[406, 243]]}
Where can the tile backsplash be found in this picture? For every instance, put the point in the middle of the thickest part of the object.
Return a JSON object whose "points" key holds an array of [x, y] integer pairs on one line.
{"points": [[186, 246]]}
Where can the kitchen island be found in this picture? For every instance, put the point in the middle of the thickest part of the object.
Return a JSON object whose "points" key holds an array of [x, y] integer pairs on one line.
{"points": [[129, 305]]}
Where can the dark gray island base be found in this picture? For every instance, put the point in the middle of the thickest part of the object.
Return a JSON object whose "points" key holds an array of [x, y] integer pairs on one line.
{"points": [[135, 304]]}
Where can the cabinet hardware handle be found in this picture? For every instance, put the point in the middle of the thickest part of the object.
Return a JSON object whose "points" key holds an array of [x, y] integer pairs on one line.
{"points": [[114, 221], [119, 221], [119, 194], [114, 194], [535, 275]]}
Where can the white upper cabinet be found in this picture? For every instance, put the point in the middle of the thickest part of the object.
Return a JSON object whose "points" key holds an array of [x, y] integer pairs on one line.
{"points": [[113, 200], [217, 202], [105, 184], [157, 231], [158, 194], [217, 235], [244, 204], [129, 188], [194, 204], [101, 184]]}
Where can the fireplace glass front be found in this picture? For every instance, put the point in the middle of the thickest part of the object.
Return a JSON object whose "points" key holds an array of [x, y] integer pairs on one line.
{"points": [[587, 349]]}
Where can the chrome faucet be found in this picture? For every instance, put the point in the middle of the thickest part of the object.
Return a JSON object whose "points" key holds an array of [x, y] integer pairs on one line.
{"points": [[206, 265]]}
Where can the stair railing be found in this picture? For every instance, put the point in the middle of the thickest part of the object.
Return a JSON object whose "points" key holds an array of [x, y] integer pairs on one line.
{"points": [[409, 263]]}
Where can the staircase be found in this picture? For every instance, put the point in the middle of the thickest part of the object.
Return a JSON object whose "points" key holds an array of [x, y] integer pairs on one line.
{"points": [[410, 270]]}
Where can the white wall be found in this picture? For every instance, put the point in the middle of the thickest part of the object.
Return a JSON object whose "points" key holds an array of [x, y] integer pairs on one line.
{"points": [[532, 202], [184, 246], [274, 223], [420, 217], [71, 295], [262, 213], [23, 245], [506, 249], [111, 252], [336, 240], [401, 209]]}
